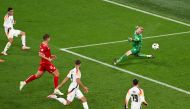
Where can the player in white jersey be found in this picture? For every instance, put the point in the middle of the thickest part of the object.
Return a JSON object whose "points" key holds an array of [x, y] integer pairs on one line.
{"points": [[136, 95], [73, 91], [11, 32]]}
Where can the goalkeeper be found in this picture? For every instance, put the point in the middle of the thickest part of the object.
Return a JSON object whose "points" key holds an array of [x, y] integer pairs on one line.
{"points": [[137, 45]]}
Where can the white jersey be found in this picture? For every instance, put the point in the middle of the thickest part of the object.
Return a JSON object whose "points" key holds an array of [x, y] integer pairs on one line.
{"points": [[74, 90], [137, 97], [8, 26], [74, 74], [8, 21]]}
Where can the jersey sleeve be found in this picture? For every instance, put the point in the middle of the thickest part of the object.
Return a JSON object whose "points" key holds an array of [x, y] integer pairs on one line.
{"points": [[6, 21], [69, 74], [128, 95], [42, 49]]}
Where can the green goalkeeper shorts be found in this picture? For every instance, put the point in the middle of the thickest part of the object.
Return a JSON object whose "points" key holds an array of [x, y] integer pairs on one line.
{"points": [[135, 50]]}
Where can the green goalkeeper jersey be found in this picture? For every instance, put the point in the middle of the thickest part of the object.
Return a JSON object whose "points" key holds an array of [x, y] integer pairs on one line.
{"points": [[137, 40]]}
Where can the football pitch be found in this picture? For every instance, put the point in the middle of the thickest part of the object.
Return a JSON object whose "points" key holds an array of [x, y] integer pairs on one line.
{"points": [[96, 32]]}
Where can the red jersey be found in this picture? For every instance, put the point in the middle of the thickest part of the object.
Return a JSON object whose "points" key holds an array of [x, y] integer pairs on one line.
{"points": [[44, 49]]}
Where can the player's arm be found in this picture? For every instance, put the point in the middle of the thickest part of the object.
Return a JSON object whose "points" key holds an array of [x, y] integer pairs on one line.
{"points": [[143, 98], [127, 100], [43, 56], [134, 39], [63, 82], [53, 57], [14, 22], [82, 85]]}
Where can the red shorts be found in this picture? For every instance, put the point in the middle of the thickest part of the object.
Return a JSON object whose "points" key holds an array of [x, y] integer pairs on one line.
{"points": [[47, 67]]}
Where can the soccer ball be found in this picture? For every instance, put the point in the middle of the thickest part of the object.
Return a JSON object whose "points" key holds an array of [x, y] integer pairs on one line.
{"points": [[155, 46]]}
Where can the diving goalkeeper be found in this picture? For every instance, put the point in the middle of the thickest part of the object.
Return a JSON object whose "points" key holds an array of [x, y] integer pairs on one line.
{"points": [[137, 45]]}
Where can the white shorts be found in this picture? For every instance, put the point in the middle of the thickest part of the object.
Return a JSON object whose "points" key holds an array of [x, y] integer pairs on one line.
{"points": [[136, 106], [74, 93], [12, 33]]}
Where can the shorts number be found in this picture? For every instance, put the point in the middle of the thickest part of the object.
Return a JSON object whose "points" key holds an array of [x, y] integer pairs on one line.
{"points": [[134, 97]]}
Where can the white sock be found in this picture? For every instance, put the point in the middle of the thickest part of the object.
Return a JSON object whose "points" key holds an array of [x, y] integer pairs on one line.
{"points": [[7, 47], [23, 38], [61, 100], [85, 105]]}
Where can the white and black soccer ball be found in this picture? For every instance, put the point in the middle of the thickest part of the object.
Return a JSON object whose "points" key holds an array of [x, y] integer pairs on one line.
{"points": [[155, 46]]}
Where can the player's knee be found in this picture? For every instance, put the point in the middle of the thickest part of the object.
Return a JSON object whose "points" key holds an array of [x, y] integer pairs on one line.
{"points": [[83, 99], [38, 75], [56, 73], [128, 53], [68, 102], [23, 33], [11, 40]]}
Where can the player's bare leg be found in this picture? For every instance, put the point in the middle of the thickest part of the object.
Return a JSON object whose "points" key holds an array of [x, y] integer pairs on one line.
{"points": [[9, 43], [56, 82], [23, 38], [144, 55], [61, 100], [84, 102], [67, 102], [29, 79], [2, 60], [123, 58]]}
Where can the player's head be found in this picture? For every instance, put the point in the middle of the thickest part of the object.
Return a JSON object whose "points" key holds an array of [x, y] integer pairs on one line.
{"points": [[10, 11], [46, 37], [135, 82], [139, 30], [77, 63]]}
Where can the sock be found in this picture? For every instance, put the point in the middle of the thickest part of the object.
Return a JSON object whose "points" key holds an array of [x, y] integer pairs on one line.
{"points": [[7, 47], [122, 59], [31, 78], [56, 81], [85, 105], [23, 38], [142, 55], [62, 100]]}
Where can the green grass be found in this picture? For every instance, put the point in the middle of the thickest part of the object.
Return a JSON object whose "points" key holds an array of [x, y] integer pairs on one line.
{"points": [[176, 9], [80, 22]]}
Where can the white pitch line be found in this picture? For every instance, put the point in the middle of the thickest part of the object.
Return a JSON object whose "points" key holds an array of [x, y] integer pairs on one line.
{"points": [[146, 12], [113, 42], [128, 72]]}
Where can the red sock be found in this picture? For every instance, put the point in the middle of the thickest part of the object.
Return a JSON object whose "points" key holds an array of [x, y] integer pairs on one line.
{"points": [[56, 81], [31, 78]]}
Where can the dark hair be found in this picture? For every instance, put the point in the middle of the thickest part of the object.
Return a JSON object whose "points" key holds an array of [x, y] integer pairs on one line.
{"points": [[77, 62], [46, 36], [135, 82], [9, 9]]}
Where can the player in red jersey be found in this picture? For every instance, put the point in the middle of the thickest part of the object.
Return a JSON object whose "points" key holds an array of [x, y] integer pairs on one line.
{"points": [[45, 65]]}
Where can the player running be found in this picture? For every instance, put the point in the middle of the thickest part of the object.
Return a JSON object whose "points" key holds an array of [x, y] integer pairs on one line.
{"points": [[73, 91], [45, 65], [137, 45], [136, 95], [11, 32]]}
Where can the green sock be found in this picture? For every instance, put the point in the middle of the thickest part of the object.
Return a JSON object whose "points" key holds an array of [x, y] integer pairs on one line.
{"points": [[122, 59], [142, 55]]}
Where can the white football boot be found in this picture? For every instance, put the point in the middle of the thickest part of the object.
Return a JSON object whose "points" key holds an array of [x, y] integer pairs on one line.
{"points": [[25, 48], [58, 92], [4, 53], [52, 96]]}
